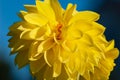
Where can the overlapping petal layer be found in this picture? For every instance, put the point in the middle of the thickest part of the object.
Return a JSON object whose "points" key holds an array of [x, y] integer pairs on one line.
{"points": [[62, 44]]}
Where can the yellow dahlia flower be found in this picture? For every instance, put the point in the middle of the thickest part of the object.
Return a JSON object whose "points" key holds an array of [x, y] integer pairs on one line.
{"points": [[62, 44]]}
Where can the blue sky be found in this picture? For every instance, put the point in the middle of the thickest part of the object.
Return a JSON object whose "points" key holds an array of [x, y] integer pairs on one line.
{"points": [[8, 15]]}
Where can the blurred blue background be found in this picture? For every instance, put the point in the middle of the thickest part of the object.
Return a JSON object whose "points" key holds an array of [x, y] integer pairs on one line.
{"points": [[110, 18]]}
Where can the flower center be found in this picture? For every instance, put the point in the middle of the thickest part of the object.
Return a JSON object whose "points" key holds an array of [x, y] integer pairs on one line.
{"points": [[59, 27]]}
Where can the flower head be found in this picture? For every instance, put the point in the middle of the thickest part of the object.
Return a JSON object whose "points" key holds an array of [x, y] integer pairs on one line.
{"points": [[62, 44]]}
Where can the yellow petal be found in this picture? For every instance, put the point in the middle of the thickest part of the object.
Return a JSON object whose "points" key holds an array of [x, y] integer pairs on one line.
{"points": [[74, 32], [14, 27], [101, 39], [63, 75], [113, 53], [39, 75], [94, 55], [50, 57], [82, 78], [81, 26], [85, 41], [19, 45], [96, 30], [11, 41], [69, 6], [110, 45], [45, 45], [39, 33], [11, 33], [68, 13], [97, 76], [90, 67], [26, 35], [57, 68], [102, 72], [55, 38], [21, 59], [27, 25], [70, 66], [46, 10], [72, 76], [36, 19], [48, 74], [33, 51], [22, 14], [85, 15], [80, 63], [36, 66], [31, 8], [65, 46], [47, 1], [63, 54], [57, 9]]}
